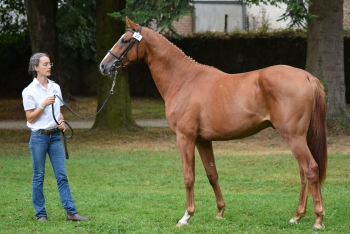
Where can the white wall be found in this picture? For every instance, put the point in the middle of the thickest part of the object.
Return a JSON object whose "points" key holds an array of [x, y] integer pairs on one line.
{"points": [[271, 15], [211, 16]]}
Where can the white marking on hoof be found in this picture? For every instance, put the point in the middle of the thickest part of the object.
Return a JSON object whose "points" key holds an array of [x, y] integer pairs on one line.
{"points": [[184, 220], [292, 221], [318, 227], [181, 224]]}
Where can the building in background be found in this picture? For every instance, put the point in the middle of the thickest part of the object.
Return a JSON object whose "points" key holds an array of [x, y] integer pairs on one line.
{"points": [[265, 16], [229, 16], [219, 16]]}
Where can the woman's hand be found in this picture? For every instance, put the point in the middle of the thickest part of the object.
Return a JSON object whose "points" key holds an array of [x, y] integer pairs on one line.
{"points": [[62, 125], [49, 100]]}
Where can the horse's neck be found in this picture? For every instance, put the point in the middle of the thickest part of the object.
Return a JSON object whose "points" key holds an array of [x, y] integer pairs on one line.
{"points": [[168, 66]]}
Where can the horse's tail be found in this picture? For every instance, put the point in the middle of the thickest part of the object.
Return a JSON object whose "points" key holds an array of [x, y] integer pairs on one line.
{"points": [[316, 136]]}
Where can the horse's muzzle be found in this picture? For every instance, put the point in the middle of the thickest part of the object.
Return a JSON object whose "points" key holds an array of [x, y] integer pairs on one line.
{"points": [[108, 69]]}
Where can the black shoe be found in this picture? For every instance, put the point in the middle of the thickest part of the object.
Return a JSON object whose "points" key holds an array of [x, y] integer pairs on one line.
{"points": [[42, 219], [76, 217]]}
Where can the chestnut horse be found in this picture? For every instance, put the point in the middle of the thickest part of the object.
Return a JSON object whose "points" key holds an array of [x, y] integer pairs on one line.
{"points": [[204, 104]]}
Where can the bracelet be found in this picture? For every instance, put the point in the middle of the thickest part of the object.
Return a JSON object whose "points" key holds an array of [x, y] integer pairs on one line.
{"points": [[41, 107]]}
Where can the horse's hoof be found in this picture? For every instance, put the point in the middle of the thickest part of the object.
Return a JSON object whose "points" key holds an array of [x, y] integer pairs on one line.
{"points": [[292, 221], [179, 224], [318, 226], [219, 217]]}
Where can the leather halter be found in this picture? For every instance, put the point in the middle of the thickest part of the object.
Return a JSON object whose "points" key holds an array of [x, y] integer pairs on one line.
{"points": [[121, 57]]}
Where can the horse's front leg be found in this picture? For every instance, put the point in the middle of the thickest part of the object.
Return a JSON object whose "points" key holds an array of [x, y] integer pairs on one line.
{"points": [[186, 147], [205, 150]]}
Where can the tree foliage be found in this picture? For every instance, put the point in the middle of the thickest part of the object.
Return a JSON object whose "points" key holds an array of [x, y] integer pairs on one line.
{"points": [[157, 14], [77, 25], [296, 12], [12, 17]]}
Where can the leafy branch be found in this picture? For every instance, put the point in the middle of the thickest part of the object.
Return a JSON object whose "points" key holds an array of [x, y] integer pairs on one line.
{"points": [[296, 12], [156, 14]]}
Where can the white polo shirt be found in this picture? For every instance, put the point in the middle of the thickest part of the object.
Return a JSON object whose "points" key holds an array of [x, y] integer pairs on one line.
{"points": [[33, 95]]}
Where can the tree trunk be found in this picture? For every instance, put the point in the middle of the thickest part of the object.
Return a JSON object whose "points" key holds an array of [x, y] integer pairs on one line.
{"points": [[325, 57], [42, 17], [117, 112]]}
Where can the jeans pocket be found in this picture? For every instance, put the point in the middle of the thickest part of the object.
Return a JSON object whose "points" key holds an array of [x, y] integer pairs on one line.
{"points": [[35, 138]]}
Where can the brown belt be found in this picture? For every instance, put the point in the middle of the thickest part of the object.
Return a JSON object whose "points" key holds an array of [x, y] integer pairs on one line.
{"points": [[48, 132]]}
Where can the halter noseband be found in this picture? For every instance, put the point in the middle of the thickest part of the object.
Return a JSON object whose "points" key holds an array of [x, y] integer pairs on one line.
{"points": [[121, 57]]}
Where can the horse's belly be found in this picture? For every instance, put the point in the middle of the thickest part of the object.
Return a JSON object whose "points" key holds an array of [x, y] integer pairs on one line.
{"points": [[229, 131]]}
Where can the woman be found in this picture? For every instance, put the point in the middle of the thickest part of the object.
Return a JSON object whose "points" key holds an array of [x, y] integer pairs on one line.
{"points": [[45, 136]]}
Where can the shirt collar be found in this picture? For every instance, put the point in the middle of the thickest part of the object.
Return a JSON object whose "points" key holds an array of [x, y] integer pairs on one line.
{"points": [[36, 82]]}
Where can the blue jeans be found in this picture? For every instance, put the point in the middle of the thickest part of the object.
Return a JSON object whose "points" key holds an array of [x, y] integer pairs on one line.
{"points": [[39, 145]]}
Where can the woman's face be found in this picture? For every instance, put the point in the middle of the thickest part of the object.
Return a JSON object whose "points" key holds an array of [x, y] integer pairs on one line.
{"points": [[44, 67]]}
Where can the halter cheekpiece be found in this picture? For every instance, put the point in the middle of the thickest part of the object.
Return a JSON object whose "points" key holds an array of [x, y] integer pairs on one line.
{"points": [[136, 37]]}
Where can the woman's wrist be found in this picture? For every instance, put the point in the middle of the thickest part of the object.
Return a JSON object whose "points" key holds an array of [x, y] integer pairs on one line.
{"points": [[42, 107]]}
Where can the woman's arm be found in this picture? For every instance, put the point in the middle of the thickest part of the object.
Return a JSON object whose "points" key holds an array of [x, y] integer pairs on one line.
{"points": [[33, 115]]}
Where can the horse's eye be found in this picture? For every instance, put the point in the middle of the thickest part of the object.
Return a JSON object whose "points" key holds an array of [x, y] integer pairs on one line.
{"points": [[124, 41]]}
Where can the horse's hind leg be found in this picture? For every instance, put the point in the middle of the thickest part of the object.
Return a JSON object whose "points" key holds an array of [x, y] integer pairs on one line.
{"points": [[301, 210], [309, 169], [205, 150]]}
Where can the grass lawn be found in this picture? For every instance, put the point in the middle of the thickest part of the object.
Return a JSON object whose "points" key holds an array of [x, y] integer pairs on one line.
{"points": [[132, 182]]}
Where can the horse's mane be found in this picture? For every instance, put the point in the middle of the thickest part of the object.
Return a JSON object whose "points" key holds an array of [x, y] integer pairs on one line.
{"points": [[178, 49]]}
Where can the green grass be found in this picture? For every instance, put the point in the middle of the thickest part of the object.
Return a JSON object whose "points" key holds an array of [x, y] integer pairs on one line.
{"points": [[133, 183], [147, 108]]}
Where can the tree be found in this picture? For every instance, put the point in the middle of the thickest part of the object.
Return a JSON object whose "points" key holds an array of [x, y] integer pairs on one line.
{"points": [[42, 16], [117, 112], [325, 53], [325, 57]]}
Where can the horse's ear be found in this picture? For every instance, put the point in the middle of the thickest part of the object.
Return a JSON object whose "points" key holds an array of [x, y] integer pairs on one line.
{"points": [[131, 24]]}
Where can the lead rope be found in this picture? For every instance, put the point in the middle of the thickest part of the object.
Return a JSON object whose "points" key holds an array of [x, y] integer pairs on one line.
{"points": [[111, 92], [62, 132]]}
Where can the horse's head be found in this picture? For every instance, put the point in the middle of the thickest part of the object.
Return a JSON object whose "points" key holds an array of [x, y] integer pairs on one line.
{"points": [[125, 51]]}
